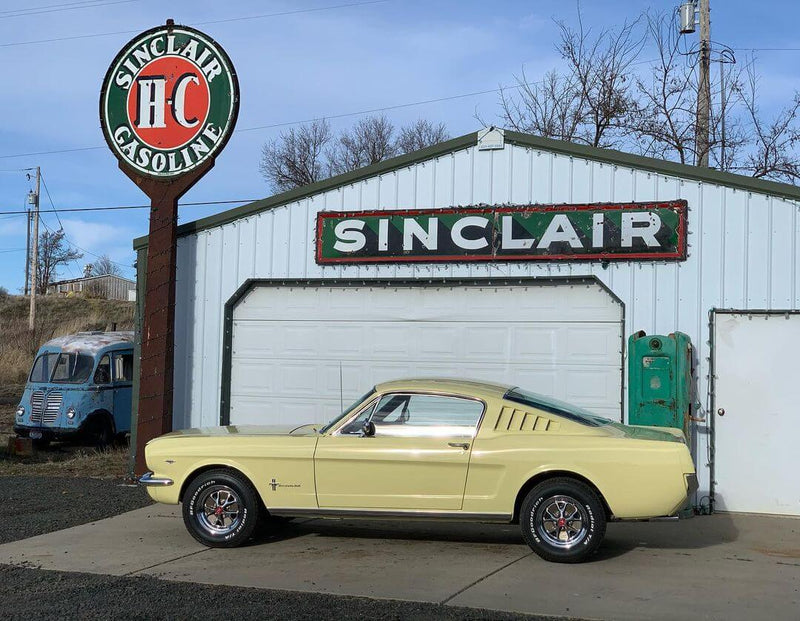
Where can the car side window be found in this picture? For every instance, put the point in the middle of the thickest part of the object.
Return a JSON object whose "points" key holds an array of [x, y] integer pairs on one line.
{"points": [[123, 367], [421, 415], [103, 373]]}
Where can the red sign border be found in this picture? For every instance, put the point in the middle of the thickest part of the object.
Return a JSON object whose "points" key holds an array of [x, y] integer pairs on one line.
{"points": [[681, 206]]}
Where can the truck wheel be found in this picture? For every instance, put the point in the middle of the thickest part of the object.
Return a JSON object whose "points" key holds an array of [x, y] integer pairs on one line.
{"points": [[563, 520], [99, 432], [220, 509]]}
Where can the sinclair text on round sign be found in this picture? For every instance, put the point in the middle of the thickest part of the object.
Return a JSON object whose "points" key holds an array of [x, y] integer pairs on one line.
{"points": [[169, 101]]}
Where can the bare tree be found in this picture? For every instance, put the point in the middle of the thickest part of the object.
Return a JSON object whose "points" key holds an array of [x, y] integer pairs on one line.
{"points": [[297, 157], [53, 251], [771, 151], [420, 134], [369, 141], [104, 266], [588, 102]]}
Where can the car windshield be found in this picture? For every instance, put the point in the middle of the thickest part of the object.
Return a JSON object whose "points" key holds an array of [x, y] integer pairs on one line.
{"points": [[561, 408], [63, 368], [348, 411]]}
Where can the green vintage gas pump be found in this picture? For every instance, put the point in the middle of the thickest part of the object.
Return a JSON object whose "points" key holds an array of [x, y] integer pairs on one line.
{"points": [[660, 383]]}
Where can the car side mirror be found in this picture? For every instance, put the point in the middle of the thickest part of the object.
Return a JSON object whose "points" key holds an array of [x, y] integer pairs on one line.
{"points": [[368, 430]]}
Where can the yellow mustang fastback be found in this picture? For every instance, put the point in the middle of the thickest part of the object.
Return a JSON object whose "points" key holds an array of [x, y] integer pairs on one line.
{"points": [[430, 449]]}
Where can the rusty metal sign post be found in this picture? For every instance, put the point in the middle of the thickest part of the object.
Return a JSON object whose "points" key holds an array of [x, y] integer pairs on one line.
{"points": [[168, 105]]}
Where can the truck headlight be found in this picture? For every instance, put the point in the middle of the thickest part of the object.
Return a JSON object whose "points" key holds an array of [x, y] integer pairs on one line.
{"points": [[20, 412], [70, 412]]}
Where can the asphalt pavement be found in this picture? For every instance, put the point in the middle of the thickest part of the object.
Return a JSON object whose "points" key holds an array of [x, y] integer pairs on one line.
{"points": [[714, 567]]}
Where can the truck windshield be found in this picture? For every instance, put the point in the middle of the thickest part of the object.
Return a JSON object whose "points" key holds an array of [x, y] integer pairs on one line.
{"points": [[63, 368], [554, 406]]}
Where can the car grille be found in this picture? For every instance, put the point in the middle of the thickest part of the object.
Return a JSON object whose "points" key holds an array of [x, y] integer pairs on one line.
{"points": [[45, 410]]}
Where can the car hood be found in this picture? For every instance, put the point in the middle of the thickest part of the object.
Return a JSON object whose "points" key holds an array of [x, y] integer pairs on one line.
{"points": [[642, 432], [246, 430]]}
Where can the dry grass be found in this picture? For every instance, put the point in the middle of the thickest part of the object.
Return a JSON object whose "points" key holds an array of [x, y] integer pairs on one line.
{"points": [[56, 316], [63, 460]]}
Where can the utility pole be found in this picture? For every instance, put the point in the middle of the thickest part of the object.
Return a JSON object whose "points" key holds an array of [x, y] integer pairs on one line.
{"points": [[28, 253], [703, 87], [35, 253]]}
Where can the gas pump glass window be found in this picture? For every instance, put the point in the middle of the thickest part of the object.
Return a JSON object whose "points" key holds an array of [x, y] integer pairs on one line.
{"points": [[72, 368]]}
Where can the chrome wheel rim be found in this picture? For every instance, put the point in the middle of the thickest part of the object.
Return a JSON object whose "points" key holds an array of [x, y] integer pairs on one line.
{"points": [[219, 510], [562, 522]]}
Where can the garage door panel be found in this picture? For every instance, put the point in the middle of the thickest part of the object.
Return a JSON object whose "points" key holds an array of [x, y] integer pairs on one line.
{"points": [[307, 342]]}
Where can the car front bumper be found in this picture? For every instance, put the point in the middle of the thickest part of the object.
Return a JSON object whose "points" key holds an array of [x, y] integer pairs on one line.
{"points": [[148, 480]]}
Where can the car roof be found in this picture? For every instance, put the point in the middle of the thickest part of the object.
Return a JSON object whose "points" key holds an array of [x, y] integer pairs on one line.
{"points": [[443, 384], [90, 342]]}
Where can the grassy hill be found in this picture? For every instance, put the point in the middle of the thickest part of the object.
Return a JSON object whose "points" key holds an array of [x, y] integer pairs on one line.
{"points": [[55, 316]]}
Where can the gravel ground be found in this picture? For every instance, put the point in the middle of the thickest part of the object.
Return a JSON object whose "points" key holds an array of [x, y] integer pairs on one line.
{"points": [[34, 505], [39, 594]]}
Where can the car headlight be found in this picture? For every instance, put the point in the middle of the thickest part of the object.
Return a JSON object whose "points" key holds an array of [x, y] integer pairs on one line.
{"points": [[70, 412], [20, 412]]}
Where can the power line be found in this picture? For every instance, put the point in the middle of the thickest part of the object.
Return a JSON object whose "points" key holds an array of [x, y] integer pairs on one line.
{"points": [[65, 7], [288, 123], [216, 21], [50, 6], [123, 207], [66, 239], [50, 198]]}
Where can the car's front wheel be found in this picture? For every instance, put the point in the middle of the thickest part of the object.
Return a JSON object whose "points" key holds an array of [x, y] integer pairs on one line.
{"points": [[220, 509], [563, 520]]}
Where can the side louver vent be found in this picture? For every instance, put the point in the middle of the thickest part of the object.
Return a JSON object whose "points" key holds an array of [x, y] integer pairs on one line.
{"points": [[512, 419]]}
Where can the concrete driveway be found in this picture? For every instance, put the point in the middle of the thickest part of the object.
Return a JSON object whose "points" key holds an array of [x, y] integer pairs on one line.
{"points": [[717, 567]]}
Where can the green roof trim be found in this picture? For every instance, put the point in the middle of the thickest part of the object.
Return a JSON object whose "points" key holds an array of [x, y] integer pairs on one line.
{"points": [[608, 156]]}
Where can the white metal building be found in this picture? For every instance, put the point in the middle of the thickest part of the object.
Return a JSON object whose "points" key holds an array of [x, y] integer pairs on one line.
{"points": [[265, 333]]}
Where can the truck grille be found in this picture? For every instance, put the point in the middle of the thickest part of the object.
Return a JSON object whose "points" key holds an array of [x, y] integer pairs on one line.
{"points": [[37, 406], [45, 410], [53, 407]]}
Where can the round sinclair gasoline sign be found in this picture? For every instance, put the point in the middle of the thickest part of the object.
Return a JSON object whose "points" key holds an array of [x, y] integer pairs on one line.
{"points": [[169, 101]]}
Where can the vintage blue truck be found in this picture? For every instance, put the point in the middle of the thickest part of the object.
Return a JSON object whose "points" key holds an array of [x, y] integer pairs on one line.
{"points": [[79, 388]]}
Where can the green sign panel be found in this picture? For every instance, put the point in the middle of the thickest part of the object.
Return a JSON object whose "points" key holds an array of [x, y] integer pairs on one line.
{"points": [[169, 101], [599, 232]]}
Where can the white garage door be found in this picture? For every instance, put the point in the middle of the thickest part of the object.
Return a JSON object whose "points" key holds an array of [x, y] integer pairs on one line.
{"points": [[757, 426], [294, 347]]}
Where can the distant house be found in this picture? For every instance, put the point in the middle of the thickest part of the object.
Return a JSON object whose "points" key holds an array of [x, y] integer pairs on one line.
{"points": [[108, 286]]}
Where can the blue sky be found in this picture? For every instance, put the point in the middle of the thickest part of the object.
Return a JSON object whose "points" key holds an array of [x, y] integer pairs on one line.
{"points": [[291, 68]]}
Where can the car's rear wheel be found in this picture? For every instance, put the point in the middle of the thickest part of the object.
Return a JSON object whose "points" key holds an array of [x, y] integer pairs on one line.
{"points": [[220, 509], [563, 520]]}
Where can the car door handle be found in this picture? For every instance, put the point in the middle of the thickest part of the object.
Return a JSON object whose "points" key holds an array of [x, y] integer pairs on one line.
{"points": [[461, 445]]}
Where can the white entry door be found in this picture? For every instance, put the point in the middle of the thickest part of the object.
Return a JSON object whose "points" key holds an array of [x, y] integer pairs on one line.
{"points": [[300, 353], [757, 426]]}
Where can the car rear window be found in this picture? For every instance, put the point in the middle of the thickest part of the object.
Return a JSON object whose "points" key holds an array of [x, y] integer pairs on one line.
{"points": [[554, 406]]}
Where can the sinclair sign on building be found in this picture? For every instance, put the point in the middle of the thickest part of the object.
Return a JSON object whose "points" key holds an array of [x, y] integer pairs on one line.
{"points": [[170, 99]]}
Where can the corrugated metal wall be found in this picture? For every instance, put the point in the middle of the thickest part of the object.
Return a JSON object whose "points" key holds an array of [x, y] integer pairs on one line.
{"points": [[742, 253]]}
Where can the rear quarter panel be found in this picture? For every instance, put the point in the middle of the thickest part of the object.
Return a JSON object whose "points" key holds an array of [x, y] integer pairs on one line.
{"points": [[637, 478]]}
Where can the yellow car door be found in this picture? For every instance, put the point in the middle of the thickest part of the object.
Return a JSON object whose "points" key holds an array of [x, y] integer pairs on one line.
{"points": [[414, 454]]}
